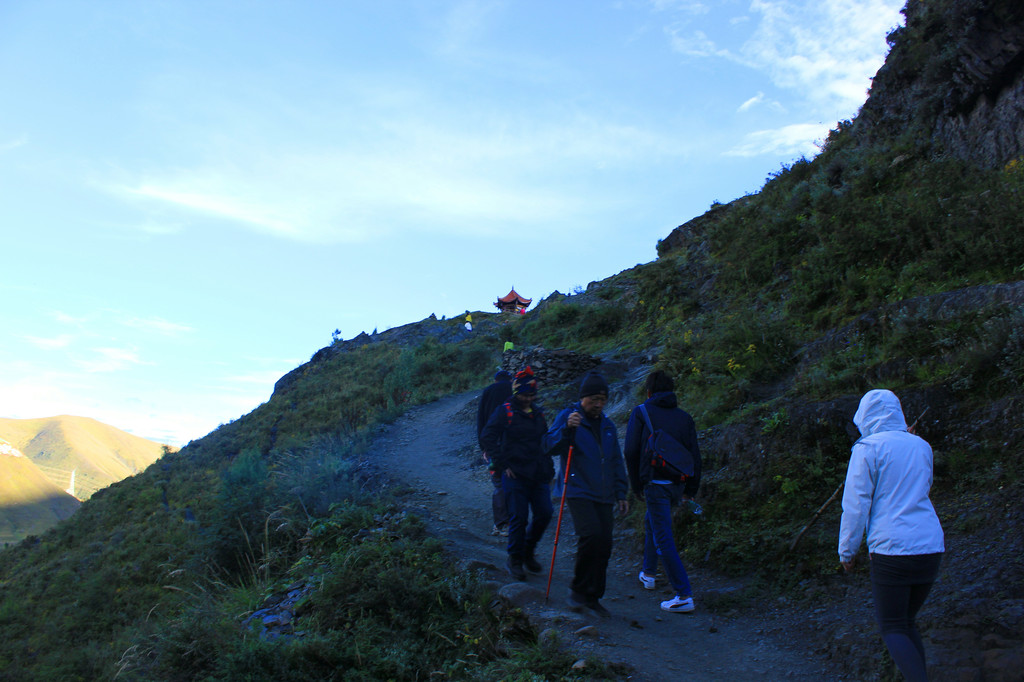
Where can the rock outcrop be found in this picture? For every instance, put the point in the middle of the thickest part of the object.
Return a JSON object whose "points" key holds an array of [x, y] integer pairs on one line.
{"points": [[955, 78]]}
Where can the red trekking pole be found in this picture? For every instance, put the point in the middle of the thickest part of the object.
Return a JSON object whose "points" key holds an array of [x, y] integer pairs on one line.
{"points": [[561, 507]]}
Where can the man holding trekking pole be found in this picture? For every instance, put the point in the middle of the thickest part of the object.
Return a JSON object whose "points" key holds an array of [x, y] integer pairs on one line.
{"points": [[596, 487]]}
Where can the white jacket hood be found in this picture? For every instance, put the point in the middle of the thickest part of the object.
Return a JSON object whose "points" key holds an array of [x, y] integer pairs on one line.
{"points": [[887, 485], [879, 411]]}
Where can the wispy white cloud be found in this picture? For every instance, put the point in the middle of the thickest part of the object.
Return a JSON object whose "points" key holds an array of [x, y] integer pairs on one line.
{"points": [[687, 6], [760, 100], [50, 343], [19, 141], [39, 393], [786, 141], [440, 170], [827, 49], [160, 228], [824, 50], [107, 359], [752, 102], [694, 43], [247, 210], [465, 23], [174, 414], [65, 318], [158, 325]]}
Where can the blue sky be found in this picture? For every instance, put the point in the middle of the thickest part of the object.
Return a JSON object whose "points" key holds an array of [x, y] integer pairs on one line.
{"points": [[194, 195]]}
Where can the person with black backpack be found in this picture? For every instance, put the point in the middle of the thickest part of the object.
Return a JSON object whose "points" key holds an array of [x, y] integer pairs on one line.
{"points": [[664, 465], [513, 437], [493, 397]]}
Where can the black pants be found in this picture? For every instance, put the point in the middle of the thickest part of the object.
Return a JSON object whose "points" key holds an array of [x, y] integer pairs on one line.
{"points": [[498, 507], [593, 523], [900, 585]]}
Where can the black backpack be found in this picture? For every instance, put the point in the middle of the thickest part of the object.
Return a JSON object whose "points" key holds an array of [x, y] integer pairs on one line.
{"points": [[668, 457]]}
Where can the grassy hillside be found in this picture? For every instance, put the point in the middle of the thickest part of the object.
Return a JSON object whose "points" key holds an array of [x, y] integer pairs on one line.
{"points": [[148, 580], [99, 453], [883, 262], [30, 503]]}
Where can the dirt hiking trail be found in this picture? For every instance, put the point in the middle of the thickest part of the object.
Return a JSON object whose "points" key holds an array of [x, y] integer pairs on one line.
{"points": [[433, 449]]}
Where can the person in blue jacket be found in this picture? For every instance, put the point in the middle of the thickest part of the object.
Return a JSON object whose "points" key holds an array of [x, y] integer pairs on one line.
{"points": [[493, 397], [886, 496], [660, 492], [513, 437], [596, 488]]}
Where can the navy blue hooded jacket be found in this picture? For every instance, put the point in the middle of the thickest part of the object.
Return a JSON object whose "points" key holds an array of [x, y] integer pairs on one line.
{"points": [[665, 414], [597, 472], [518, 444]]}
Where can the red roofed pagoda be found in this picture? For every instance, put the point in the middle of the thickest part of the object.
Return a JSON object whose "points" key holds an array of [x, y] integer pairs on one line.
{"points": [[512, 302]]}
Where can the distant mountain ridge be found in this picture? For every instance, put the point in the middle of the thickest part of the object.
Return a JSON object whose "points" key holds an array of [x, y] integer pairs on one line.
{"points": [[29, 501], [49, 465], [100, 454]]}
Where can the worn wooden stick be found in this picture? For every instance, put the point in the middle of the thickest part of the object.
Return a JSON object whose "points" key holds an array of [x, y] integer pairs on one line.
{"points": [[814, 518], [910, 429], [792, 545]]}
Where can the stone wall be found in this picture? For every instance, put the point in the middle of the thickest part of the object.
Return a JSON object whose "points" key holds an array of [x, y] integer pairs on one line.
{"points": [[551, 367]]}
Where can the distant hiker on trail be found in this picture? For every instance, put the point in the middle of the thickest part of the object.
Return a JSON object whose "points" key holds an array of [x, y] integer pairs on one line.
{"points": [[469, 322], [659, 488], [886, 494], [597, 487], [491, 399], [513, 437]]}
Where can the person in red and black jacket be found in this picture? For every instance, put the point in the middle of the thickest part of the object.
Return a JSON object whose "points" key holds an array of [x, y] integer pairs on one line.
{"points": [[513, 438], [660, 492]]}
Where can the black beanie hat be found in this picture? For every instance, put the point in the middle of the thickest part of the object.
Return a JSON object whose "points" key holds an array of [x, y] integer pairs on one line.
{"points": [[502, 375], [593, 384]]}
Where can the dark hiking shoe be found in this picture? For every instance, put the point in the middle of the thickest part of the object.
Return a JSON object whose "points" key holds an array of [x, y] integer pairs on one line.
{"points": [[599, 609], [515, 568], [576, 602], [532, 565]]}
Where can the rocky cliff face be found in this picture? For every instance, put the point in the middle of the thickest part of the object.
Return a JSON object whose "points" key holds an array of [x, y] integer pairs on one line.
{"points": [[955, 78], [952, 84]]}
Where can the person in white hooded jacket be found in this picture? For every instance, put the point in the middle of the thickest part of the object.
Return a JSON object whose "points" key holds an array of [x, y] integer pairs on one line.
{"points": [[886, 495]]}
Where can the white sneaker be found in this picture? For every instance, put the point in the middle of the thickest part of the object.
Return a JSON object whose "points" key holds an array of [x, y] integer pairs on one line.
{"points": [[646, 580], [678, 604]]}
